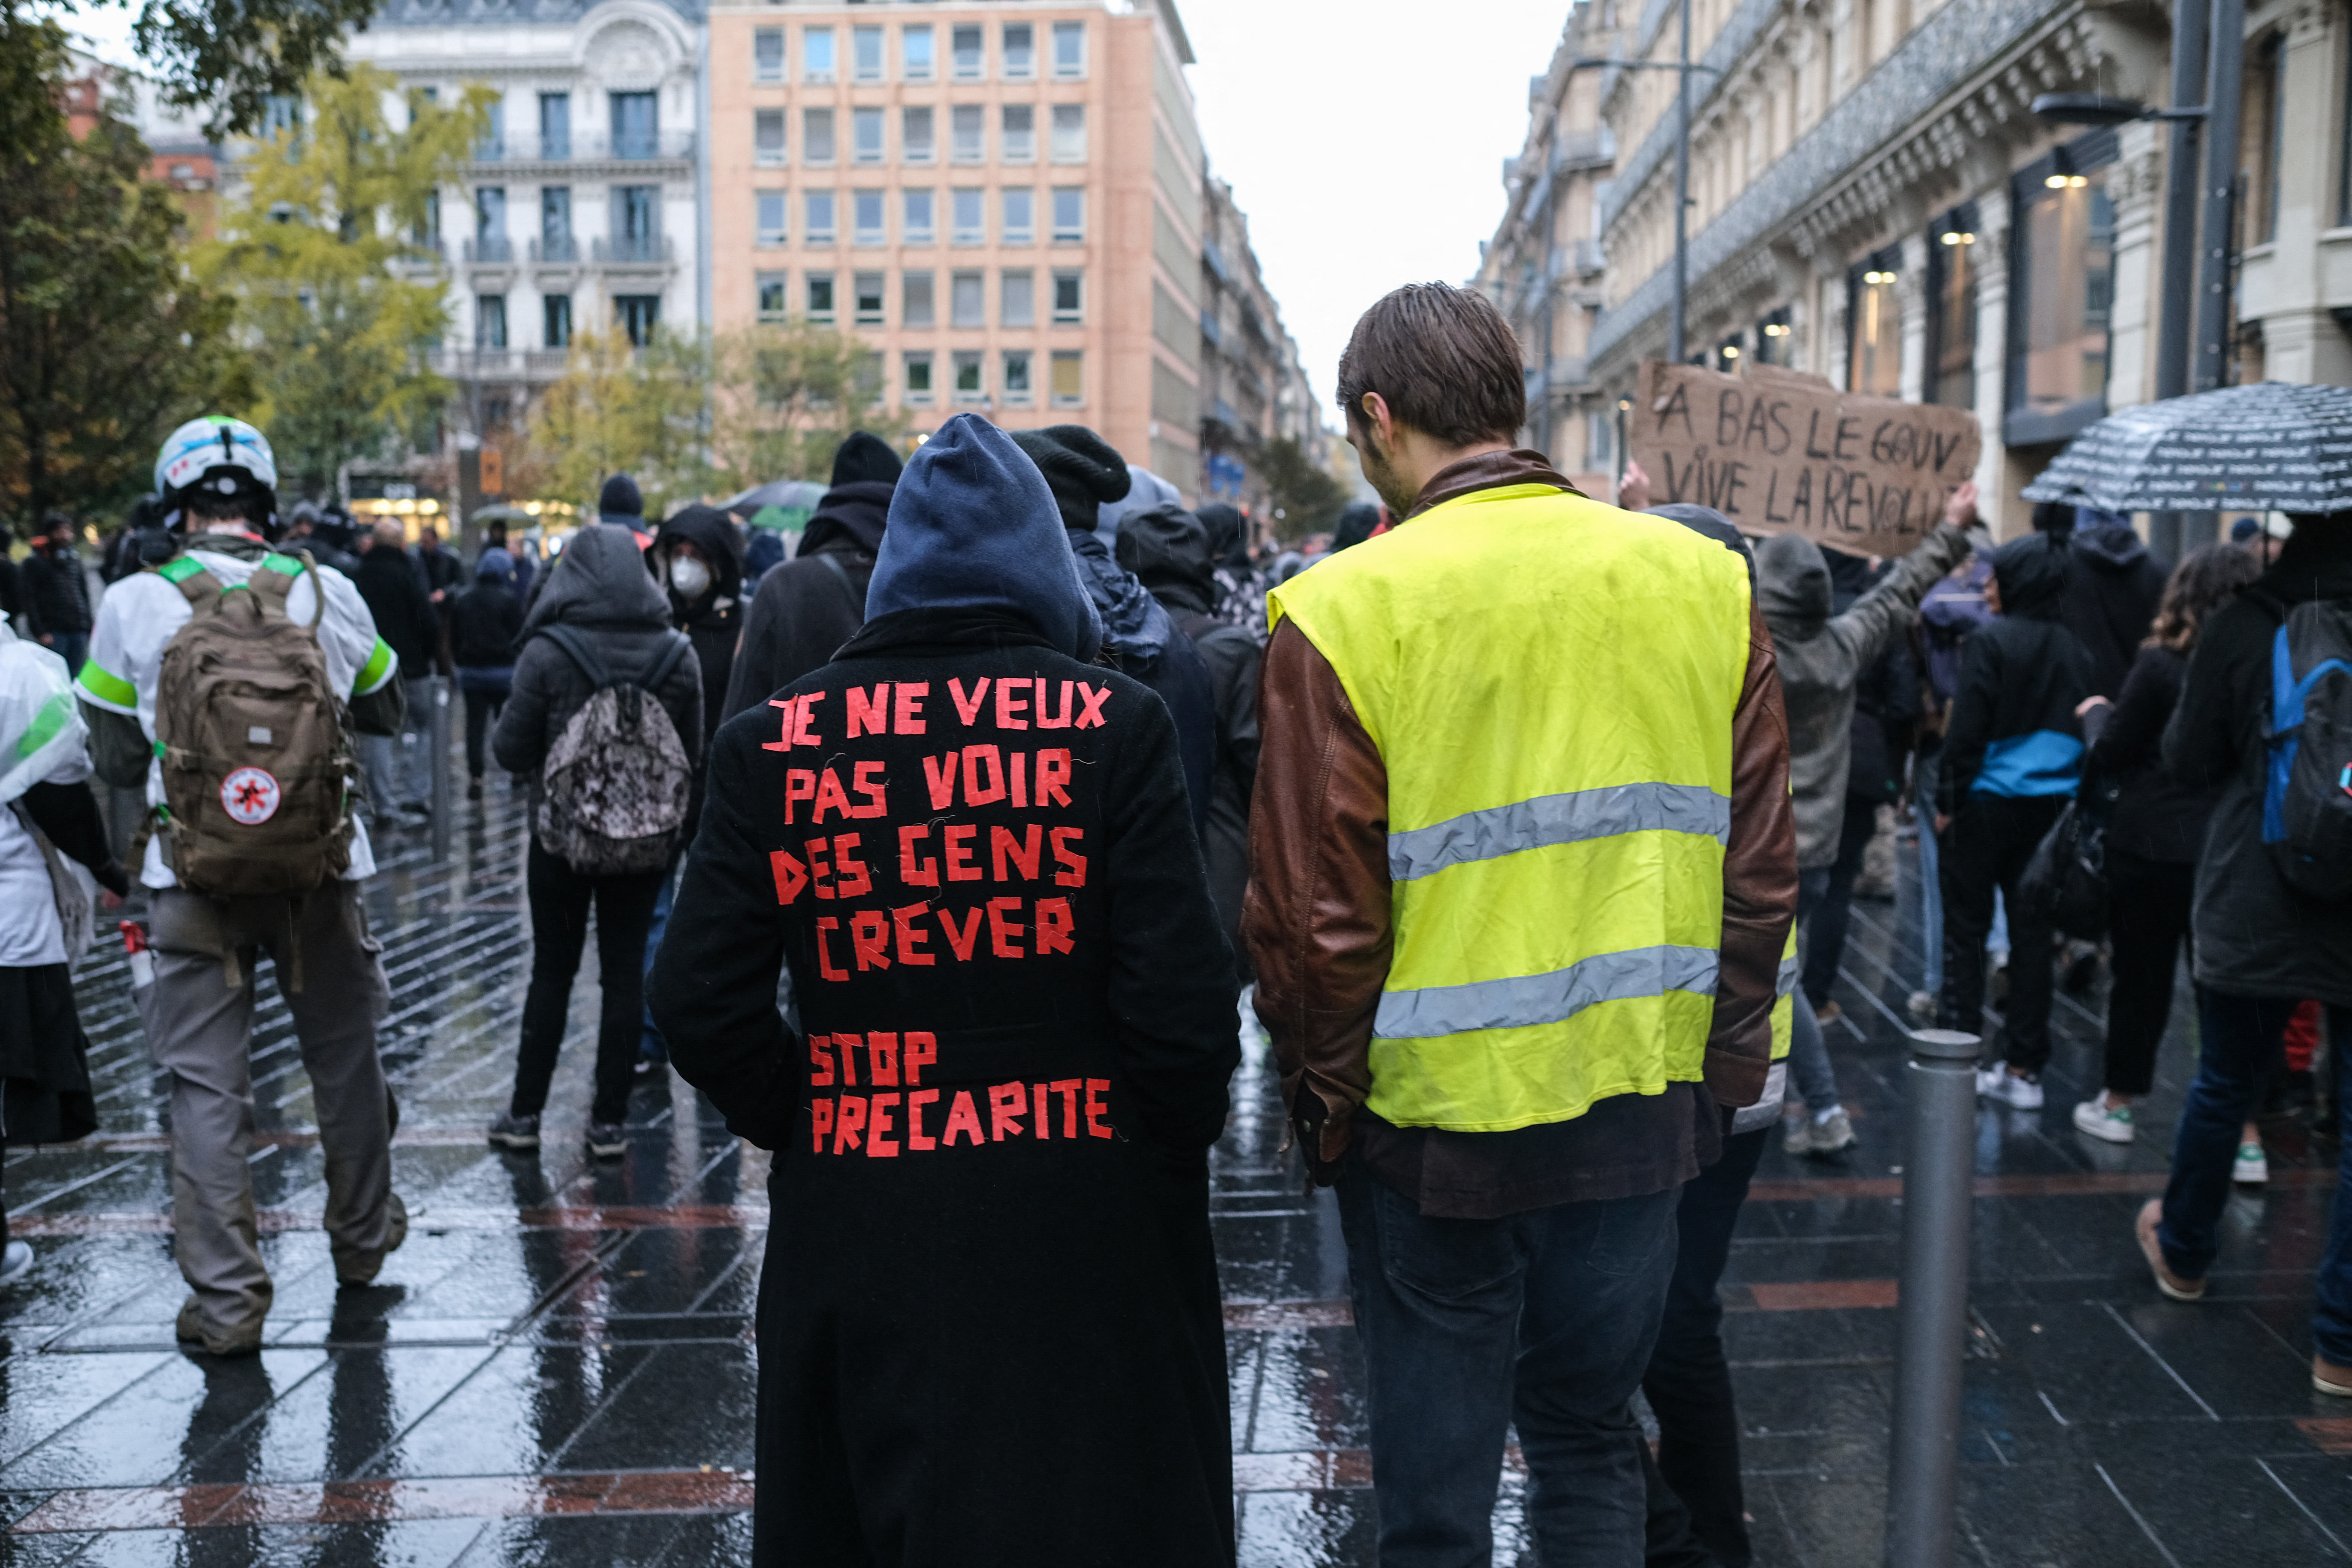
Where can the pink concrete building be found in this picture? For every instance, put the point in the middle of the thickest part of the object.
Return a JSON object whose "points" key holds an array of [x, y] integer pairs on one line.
{"points": [[1003, 200]]}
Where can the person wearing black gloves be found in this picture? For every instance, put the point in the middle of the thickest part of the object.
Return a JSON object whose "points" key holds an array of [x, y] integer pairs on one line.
{"points": [[989, 1330]]}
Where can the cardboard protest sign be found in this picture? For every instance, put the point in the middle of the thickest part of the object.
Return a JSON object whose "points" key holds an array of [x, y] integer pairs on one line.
{"points": [[1778, 452]]}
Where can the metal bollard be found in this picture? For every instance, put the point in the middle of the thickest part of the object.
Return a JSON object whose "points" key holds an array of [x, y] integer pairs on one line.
{"points": [[1923, 1484], [438, 734]]}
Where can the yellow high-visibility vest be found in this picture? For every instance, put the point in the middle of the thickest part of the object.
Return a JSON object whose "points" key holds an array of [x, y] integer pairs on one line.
{"points": [[1551, 684]]}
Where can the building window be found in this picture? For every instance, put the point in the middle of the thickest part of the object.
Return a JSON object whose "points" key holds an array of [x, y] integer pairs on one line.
{"points": [[968, 385], [2274, 132], [968, 54], [869, 382], [969, 138], [916, 306], [1069, 298], [918, 227], [1773, 343], [817, 290], [1069, 133], [637, 220], [1016, 298], [866, 135], [919, 378], [817, 135], [971, 218], [768, 137], [638, 316], [866, 208], [555, 125], [489, 320], [490, 212], [865, 291], [636, 125], [555, 319], [555, 240], [816, 210], [968, 300], [816, 53], [1952, 308], [1069, 214], [1016, 376], [1873, 325], [770, 205], [1020, 52], [1069, 369], [1069, 51], [2061, 284], [866, 53], [767, 54], [915, 52], [772, 297], [1019, 215], [493, 144], [916, 144], [1019, 128]]}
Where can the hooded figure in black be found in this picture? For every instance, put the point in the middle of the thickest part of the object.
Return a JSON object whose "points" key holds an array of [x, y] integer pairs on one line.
{"points": [[2013, 756], [1084, 471], [1168, 551], [808, 606], [989, 1330], [2113, 587], [1241, 595], [698, 558]]}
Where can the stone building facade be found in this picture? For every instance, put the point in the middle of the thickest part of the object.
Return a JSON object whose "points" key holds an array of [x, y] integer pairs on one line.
{"points": [[1253, 389], [1874, 200]]}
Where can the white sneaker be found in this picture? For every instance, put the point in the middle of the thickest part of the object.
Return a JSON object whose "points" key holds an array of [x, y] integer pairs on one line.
{"points": [[16, 1262], [2250, 1167], [2109, 1123], [1998, 1084], [1921, 1006]]}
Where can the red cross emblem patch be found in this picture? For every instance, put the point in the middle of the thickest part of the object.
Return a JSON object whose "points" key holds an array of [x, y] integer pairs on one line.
{"points": [[249, 795]]}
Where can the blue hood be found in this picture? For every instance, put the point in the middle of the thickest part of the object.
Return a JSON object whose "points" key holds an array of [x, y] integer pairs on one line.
{"points": [[973, 526]]}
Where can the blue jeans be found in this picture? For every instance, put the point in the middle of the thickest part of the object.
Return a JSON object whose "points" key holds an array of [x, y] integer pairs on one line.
{"points": [[1809, 1053], [1545, 1320], [73, 648], [650, 1045], [2238, 1039]]}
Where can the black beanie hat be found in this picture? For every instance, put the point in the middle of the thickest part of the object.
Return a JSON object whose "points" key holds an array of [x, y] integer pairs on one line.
{"points": [[621, 497], [865, 460], [1081, 469]]}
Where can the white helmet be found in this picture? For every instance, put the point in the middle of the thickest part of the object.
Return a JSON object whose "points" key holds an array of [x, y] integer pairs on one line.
{"points": [[218, 449]]}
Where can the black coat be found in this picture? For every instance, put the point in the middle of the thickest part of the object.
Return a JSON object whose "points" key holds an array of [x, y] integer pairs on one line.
{"points": [[714, 622], [2021, 674], [999, 1341], [2255, 936], [484, 622], [55, 590], [2113, 588], [404, 615], [1233, 657], [2156, 816], [807, 607]]}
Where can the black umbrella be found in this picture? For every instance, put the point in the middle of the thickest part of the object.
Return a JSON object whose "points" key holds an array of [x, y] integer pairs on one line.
{"points": [[2272, 446]]}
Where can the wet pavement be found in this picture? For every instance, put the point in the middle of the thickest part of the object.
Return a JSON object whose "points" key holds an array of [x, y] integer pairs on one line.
{"points": [[558, 1365]]}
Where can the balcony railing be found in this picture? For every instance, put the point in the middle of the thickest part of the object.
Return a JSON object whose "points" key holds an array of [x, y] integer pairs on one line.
{"points": [[490, 250], [1594, 147], [587, 147], [555, 249], [499, 364], [634, 251]]}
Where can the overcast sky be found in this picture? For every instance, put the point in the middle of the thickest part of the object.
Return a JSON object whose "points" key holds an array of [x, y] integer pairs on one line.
{"points": [[1364, 138]]}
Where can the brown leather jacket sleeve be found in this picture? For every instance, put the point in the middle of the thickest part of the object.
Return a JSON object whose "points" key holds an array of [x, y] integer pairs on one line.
{"points": [[1760, 881], [1317, 917]]}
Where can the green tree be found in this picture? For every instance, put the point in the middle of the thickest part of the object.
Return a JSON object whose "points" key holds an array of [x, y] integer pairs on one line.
{"points": [[618, 409], [337, 296], [784, 396], [1306, 500], [105, 342], [233, 57]]}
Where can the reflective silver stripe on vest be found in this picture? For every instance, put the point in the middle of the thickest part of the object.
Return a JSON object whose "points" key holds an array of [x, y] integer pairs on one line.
{"points": [[1559, 819], [1526, 1000], [1786, 981]]}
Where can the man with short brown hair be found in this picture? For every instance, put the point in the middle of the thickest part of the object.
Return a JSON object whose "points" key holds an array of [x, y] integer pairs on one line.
{"points": [[1524, 867]]}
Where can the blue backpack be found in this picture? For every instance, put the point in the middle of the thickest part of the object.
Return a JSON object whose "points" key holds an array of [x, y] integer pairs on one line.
{"points": [[2307, 788]]}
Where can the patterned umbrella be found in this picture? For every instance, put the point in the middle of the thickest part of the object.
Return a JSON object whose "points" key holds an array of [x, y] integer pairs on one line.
{"points": [[2272, 446]]}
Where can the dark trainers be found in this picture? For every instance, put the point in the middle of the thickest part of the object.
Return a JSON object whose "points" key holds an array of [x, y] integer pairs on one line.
{"points": [[363, 1268], [606, 1140], [519, 1133], [192, 1329]]}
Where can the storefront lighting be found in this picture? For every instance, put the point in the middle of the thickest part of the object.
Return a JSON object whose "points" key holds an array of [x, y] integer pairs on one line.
{"points": [[2076, 182], [2056, 181], [1731, 350], [1775, 330], [1954, 237]]}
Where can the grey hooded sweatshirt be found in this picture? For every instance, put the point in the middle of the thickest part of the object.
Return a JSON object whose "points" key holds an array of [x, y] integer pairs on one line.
{"points": [[1821, 656]]}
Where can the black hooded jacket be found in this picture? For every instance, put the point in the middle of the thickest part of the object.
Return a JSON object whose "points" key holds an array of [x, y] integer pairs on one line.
{"points": [[810, 605], [2255, 936], [2013, 731], [2113, 587], [713, 620], [404, 617]]}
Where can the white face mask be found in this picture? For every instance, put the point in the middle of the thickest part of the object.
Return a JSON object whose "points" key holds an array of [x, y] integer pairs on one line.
{"points": [[688, 576]]}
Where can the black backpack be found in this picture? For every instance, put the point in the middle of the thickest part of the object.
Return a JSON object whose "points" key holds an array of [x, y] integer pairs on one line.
{"points": [[2308, 782]]}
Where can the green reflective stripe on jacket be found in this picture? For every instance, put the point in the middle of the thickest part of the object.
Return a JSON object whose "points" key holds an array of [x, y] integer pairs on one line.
{"points": [[291, 566], [1560, 820], [379, 670], [106, 686], [179, 569], [52, 716]]}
